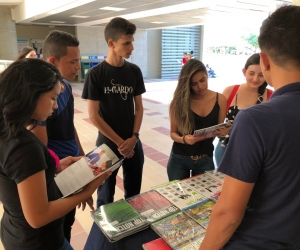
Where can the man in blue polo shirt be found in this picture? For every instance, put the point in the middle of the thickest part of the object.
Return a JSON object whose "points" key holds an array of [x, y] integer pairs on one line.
{"points": [[259, 207], [59, 133]]}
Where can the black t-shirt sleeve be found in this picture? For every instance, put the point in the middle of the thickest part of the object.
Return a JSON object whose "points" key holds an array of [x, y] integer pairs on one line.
{"points": [[91, 89], [24, 161], [243, 157], [140, 86]]}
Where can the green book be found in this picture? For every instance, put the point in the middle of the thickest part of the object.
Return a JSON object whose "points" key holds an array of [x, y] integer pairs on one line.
{"points": [[118, 220]]}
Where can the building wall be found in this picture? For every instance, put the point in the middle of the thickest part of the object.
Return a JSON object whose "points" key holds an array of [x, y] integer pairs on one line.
{"points": [[39, 31], [92, 42], [154, 53]]}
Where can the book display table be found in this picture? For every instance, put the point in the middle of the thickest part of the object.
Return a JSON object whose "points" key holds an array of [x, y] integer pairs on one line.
{"points": [[181, 228], [98, 241]]}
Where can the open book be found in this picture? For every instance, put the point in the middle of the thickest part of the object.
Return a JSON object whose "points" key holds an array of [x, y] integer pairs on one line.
{"points": [[208, 132], [89, 167]]}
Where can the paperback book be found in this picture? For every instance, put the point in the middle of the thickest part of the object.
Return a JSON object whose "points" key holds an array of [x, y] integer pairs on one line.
{"points": [[201, 212], [179, 193], [179, 231], [152, 205], [89, 167], [118, 220], [203, 184], [209, 131], [216, 175], [158, 244]]}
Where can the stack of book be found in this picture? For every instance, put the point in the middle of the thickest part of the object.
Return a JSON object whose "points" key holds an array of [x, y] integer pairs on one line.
{"points": [[204, 184], [178, 211], [179, 193], [200, 212], [152, 205], [180, 231], [118, 220]]}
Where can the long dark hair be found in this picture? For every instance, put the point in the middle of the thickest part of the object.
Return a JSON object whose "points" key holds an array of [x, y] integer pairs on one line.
{"points": [[255, 60], [180, 105], [25, 52], [21, 86]]}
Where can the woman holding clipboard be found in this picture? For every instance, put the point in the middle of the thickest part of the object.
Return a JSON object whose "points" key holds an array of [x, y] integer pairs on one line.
{"points": [[193, 107]]}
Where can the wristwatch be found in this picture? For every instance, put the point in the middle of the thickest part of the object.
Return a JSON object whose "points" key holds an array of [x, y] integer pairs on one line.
{"points": [[137, 135]]}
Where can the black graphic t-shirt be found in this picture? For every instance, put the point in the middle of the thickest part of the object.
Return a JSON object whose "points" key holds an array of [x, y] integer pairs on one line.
{"points": [[115, 88]]}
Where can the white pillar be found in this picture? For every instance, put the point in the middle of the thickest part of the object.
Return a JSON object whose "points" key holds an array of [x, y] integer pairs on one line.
{"points": [[8, 35]]}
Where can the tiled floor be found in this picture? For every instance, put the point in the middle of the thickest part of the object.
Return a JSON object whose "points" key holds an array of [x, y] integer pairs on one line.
{"points": [[154, 135]]}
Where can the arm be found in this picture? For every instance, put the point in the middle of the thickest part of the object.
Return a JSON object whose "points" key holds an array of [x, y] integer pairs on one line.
{"points": [[38, 211], [129, 144], [227, 214], [187, 139], [222, 114], [41, 133], [100, 124], [78, 142]]}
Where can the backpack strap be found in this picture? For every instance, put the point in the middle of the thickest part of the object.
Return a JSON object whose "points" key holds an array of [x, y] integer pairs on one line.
{"points": [[269, 93], [233, 93]]}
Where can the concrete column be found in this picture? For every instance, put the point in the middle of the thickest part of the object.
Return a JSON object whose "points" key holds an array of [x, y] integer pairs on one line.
{"points": [[296, 2], [8, 35]]}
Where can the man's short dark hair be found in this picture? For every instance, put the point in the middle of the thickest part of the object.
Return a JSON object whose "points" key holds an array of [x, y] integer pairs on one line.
{"points": [[56, 44], [117, 27], [280, 36]]}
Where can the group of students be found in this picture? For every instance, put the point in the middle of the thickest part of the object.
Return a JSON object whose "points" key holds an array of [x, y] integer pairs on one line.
{"points": [[258, 207], [195, 107], [38, 138]]}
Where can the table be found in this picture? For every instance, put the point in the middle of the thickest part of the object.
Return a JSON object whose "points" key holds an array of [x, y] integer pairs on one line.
{"points": [[98, 241]]}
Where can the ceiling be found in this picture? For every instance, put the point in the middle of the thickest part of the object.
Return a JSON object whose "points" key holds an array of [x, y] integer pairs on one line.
{"points": [[146, 14]]}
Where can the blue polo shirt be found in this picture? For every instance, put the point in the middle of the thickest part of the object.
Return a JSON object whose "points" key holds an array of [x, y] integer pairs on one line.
{"points": [[60, 126], [264, 149]]}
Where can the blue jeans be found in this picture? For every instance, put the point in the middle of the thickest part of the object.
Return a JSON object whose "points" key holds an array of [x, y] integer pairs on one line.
{"points": [[180, 167], [219, 152], [132, 178], [66, 246]]}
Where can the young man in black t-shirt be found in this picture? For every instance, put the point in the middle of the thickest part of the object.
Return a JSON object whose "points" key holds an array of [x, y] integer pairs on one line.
{"points": [[113, 90]]}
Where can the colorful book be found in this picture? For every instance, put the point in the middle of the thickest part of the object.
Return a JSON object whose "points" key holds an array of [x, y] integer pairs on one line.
{"points": [[179, 231], [92, 165], [152, 205], [157, 244], [118, 220], [179, 193], [203, 184], [201, 212], [209, 131]]}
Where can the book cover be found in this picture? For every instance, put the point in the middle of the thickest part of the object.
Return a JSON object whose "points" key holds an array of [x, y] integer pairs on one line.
{"points": [[179, 231], [89, 167], [152, 205], [201, 212], [157, 244], [209, 131], [118, 219], [203, 184], [216, 175], [179, 194]]}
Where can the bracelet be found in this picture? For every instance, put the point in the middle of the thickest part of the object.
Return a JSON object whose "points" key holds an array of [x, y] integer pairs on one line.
{"points": [[184, 142]]}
